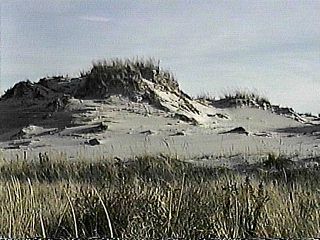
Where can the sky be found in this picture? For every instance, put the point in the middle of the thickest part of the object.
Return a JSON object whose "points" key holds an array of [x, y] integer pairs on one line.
{"points": [[212, 47]]}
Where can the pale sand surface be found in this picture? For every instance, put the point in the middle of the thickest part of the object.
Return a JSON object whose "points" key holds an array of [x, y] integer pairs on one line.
{"points": [[136, 129]]}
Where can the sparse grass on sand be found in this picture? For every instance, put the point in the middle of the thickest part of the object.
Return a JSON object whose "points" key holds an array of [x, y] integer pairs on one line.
{"points": [[155, 197], [243, 94]]}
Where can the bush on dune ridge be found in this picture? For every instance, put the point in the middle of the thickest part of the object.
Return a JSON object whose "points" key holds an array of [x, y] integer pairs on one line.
{"points": [[153, 197]]}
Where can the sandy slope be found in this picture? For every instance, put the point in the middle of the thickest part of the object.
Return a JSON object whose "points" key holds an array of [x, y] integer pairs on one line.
{"points": [[139, 128]]}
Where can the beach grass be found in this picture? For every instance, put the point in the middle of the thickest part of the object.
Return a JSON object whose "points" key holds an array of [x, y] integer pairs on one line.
{"points": [[155, 197]]}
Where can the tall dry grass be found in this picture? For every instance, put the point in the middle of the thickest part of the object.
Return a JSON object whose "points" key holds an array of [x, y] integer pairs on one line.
{"points": [[154, 197]]}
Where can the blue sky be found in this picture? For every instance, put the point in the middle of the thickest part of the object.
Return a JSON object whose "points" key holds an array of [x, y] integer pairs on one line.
{"points": [[272, 47]]}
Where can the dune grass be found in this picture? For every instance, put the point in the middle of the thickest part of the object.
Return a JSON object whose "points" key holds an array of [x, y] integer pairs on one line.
{"points": [[124, 76], [244, 94], [154, 197], [236, 98]]}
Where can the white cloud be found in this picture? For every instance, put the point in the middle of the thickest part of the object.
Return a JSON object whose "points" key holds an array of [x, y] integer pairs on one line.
{"points": [[95, 19]]}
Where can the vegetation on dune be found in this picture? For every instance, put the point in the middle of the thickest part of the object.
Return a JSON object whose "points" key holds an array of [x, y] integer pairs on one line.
{"points": [[106, 77], [125, 77], [155, 197], [245, 95], [245, 98], [236, 94], [237, 98], [205, 96]]}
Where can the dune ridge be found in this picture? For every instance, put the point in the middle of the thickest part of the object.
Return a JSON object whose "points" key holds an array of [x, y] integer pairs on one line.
{"points": [[143, 110]]}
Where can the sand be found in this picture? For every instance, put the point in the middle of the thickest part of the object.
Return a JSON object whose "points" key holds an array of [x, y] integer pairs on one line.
{"points": [[146, 114], [134, 129]]}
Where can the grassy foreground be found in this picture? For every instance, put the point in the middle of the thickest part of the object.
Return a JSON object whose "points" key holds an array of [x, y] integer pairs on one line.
{"points": [[154, 198]]}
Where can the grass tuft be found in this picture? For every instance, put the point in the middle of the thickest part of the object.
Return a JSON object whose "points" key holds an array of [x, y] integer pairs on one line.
{"points": [[246, 95]]}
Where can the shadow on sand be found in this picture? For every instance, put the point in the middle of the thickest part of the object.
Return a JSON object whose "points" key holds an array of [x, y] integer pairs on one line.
{"points": [[304, 130]]}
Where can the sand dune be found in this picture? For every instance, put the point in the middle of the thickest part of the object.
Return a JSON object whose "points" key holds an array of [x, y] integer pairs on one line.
{"points": [[144, 114]]}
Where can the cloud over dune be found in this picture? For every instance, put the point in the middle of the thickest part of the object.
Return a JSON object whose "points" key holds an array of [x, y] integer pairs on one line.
{"points": [[95, 19]]}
